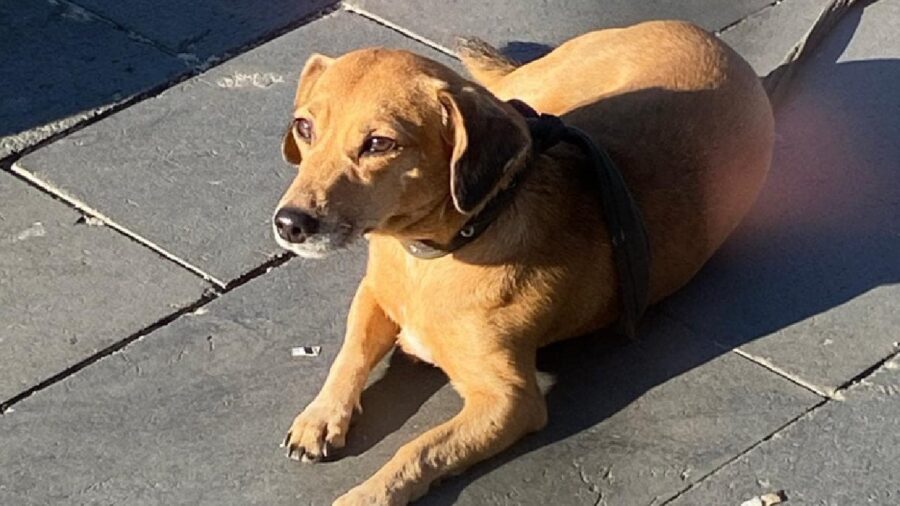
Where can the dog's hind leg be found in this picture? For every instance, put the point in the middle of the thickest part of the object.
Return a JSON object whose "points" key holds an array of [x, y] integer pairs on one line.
{"points": [[484, 62], [502, 403]]}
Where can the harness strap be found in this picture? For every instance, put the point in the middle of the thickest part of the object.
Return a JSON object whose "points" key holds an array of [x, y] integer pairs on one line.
{"points": [[631, 248]]}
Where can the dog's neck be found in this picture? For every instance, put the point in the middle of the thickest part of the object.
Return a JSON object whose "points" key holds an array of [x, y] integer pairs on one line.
{"points": [[508, 227], [534, 216], [546, 131], [459, 235]]}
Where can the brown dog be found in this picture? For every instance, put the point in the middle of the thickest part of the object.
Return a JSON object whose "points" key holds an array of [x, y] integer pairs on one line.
{"points": [[396, 147]]}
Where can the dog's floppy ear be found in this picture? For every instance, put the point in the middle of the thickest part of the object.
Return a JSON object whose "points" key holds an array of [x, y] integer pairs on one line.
{"points": [[487, 142], [312, 70]]}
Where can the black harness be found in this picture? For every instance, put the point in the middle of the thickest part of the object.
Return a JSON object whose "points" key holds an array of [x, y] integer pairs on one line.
{"points": [[631, 250]]}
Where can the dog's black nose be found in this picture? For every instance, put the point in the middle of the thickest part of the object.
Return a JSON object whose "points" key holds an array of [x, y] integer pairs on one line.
{"points": [[294, 226]]}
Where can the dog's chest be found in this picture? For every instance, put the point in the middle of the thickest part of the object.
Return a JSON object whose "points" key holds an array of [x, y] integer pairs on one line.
{"points": [[413, 344]]}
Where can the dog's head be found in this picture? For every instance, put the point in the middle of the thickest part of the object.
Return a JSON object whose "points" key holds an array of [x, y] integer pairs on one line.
{"points": [[390, 142]]}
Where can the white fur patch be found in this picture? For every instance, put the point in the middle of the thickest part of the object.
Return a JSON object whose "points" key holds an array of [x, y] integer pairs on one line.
{"points": [[412, 344], [315, 246]]}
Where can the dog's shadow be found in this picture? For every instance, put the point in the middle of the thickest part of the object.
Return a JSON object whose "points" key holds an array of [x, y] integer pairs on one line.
{"points": [[826, 228], [391, 399], [824, 232], [525, 52]]}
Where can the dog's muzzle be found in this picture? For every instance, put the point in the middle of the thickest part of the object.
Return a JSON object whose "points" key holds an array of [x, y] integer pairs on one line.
{"points": [[306, 235]]}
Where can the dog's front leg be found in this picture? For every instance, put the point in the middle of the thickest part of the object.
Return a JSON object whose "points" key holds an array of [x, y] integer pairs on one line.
{"points": [[501, 404], [323, 424]]}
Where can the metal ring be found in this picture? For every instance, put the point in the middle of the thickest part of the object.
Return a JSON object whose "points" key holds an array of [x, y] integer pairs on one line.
{"points": [[468, 231]]}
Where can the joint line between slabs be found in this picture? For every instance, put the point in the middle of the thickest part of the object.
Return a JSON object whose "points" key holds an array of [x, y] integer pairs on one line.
{"points": [[88, 210], [747, 450], [765, 364], [399, 29], [206, 298]]}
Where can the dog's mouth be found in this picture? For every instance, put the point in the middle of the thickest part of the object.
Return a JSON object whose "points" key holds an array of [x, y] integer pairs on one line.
{"points": [[323, 243]]}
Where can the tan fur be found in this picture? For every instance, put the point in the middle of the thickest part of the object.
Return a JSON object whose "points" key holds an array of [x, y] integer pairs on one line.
{"points": [[684, 117]]}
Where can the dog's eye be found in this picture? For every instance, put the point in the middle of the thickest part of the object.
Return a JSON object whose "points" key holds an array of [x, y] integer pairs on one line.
{"points": [[304, 128], [374, 145]]}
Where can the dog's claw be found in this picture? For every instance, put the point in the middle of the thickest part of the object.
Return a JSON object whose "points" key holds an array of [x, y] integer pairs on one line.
{"points": [[295, 452], [286, 440], [318, 431]]}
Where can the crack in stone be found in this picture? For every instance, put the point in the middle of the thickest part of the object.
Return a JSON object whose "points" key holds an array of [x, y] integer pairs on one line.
{"points": [[737, 22], [592, 487], [747, 450], [83, 14], [886, 363]]}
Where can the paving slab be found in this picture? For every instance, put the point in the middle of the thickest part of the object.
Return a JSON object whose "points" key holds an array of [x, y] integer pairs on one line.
{"points": [[201, 29], [810, 282], [68, 290], [517, 25], [197, 170], [766, 37], [634, 423], [62, 65], [842, 453], [193, 413]]}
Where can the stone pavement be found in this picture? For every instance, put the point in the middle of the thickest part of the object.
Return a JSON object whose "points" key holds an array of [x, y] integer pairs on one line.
{"points": [[147, 317]]}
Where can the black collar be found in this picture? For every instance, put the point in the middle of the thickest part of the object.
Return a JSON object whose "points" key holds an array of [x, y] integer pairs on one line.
{"points": [[475, 225], [631, 251]]}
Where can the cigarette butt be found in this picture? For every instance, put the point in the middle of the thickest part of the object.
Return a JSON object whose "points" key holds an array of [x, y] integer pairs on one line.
{"points": [[306, 351], [770, 499]]}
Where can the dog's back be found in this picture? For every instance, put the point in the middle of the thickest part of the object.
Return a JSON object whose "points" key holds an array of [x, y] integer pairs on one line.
{"points": [[686, 119]]}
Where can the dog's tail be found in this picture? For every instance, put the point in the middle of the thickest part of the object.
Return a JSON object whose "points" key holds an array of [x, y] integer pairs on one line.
{"points": [[484, 62], [777, 81]]}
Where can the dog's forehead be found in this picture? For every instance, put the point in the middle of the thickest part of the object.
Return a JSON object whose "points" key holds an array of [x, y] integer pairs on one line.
{"points": [[380, 60], [361, 89], [383, 72]]}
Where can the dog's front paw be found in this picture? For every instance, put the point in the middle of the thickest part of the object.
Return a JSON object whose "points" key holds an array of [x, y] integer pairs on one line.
{"points": [[318, 430]]}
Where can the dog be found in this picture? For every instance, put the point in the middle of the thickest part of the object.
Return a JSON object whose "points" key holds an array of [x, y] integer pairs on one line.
{"points": [[396, 148]]}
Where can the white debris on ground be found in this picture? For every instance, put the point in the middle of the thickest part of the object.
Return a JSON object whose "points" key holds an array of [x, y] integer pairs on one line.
{"points": [[257, 80], [35, 230], [306, 351], [769, 499]]}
